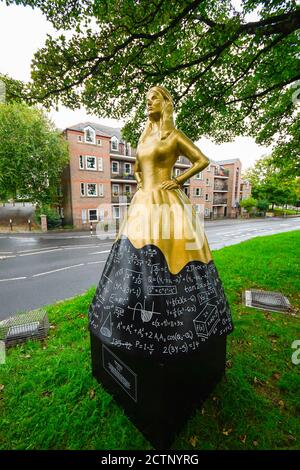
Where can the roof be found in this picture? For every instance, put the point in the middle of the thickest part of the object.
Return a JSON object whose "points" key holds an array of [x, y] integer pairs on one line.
{"points": [[100, 129], [227, 162]]}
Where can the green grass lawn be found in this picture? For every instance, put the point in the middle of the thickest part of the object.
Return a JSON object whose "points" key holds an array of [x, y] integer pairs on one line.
{"points": [[278, 211], [49, 399]]}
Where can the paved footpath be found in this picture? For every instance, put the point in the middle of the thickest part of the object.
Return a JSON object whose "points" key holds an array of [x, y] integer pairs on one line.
{"points": [[39, 269]]}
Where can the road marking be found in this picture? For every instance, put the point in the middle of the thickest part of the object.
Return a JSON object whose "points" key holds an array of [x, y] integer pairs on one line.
{"points": [[7, 256], [13, 279], [38, 249], [96, 262], [40, 252], [56, 270], [99, 252], [5, 252], [79, 247]]}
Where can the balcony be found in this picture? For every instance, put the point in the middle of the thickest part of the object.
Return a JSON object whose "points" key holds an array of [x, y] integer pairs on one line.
{"points": [[218, 187], [122, 176], [219, 201], [221, 173], [122, 198]]}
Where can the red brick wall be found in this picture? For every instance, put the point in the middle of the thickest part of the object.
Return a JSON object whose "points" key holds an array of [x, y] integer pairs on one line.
{"points": [[78, 175], [207, 174]]}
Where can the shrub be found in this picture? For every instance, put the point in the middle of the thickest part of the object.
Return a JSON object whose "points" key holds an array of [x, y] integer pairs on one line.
{"points": [[53, 218]]}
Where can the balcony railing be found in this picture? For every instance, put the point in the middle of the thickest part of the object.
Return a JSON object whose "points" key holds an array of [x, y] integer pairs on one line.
{"points": [[220, 187], [219, 201], [122, 176], [221, 172], [121, 198]]}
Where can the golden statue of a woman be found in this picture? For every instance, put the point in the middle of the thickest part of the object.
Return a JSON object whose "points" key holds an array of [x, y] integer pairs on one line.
{"points": [[160, 294]]}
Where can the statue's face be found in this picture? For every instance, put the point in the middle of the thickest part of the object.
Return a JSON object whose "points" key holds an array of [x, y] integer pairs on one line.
{"points": [[155, 102]]}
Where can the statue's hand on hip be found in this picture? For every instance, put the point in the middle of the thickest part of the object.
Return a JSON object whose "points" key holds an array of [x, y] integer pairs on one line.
{"points": [[169, 184]]}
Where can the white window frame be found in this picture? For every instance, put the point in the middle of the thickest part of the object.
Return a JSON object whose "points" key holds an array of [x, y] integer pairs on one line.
{"points": [[100, 164], [86, 162], [89, 213], [101, 190], [127, 146], [82, 189], [112, 167], [81, 162], [130, 168], [129, 190], [83, 216], [207, 197], [207, 182], [87, 190], [197, 190], [99, 142], [199, 176], [79, 138], [115, 140], [115, 185], [208, 168], [198, 208], [114, 212], [206, 212], [93, 132]]}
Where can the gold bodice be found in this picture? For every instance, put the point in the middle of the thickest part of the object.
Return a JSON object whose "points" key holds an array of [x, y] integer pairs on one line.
{"points": [[156, 159]]}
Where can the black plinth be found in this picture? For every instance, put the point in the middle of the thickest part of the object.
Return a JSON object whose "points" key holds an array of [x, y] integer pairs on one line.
{"points": [[159, 397]]}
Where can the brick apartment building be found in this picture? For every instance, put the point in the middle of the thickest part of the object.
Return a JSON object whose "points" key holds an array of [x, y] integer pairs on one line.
{"points": [[99, 182]]}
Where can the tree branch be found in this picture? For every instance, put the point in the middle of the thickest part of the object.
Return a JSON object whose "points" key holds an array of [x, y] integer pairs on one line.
{"points": [[266, 91]]}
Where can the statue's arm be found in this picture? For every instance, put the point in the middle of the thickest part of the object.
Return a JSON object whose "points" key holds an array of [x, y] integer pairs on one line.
{"points": [[138, 172], [188, 149]]}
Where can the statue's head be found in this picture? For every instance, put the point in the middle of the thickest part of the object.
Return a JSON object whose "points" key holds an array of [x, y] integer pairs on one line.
{"points": [[160, 107], [160, 101]]}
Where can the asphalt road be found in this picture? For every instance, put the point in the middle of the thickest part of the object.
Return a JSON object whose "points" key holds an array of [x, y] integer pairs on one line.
{"points": [[39, 269]]}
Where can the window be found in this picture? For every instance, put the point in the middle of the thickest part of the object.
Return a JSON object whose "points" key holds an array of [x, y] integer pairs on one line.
{"points": [[207, 182], [115, 167], [206, 212], [99, 142], [90, 163], [101, 190], [127, 189], [81, 162], [101, 214], [199, 176], [116, 189], [89, 135], [127, 168], [79, 138], [91, 189], [82, 189], [207, 197], [116, 212], [197, 191], [198, 208], [83, 216], [177, 171], [114, 143], [93, 215], [100, 164], [208, 168], [127, 149]]}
